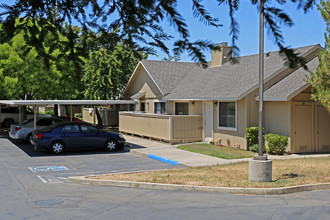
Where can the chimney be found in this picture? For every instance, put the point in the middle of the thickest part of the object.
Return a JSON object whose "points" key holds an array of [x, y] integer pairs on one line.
{"points": [[219, 57]]}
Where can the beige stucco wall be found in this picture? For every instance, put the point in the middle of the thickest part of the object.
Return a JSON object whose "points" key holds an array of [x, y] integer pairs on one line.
{"points": [[142, 82], [196, 108], [277, 118], [252, 110]]}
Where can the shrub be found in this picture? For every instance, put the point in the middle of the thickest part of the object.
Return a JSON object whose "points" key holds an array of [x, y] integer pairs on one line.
{"points": [[251, 135], [276, 143], [49, 111], [255, 148]]}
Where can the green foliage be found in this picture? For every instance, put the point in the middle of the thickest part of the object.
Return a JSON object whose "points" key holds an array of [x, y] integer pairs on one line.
{"points": [[50, 111], [216, 151], [255, 148], [107, 71], [276, 144], [320, 80], [252, 135], [23, 74]]}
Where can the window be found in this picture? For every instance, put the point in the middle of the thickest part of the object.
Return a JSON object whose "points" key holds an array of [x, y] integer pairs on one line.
{"points": [[181, 108], [227, 115], [9, 110], [47, 121], [70, 129], [142, 106], [132, 107], [89, 128], [159, 108], [44, 122]]}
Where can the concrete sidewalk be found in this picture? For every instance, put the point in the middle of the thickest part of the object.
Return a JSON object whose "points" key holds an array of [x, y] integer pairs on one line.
{"points": [[145, 147]]}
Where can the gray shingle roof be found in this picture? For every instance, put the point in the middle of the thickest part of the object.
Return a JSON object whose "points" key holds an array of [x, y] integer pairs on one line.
{"points": [[167, 74], [288, 86], [229, 81]]}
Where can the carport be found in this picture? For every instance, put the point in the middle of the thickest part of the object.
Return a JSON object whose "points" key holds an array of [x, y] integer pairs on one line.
{"points": [[37, 103]]}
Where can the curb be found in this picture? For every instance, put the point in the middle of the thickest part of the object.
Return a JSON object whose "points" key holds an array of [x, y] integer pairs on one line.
{"points": [[159, 186]]}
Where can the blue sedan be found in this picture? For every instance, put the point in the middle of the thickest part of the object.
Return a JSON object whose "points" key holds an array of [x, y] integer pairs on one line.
{"points": [[74, 135]]}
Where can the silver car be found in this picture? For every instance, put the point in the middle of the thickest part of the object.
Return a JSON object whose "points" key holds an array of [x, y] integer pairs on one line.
{"points": [[24, 130]]}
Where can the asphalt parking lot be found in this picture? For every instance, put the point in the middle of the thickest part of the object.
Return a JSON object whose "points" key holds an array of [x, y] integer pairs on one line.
{"points": [[33, 186], [50, 168]]}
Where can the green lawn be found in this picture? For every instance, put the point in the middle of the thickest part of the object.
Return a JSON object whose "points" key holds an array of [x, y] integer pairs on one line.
{"points": [[217, 151]]}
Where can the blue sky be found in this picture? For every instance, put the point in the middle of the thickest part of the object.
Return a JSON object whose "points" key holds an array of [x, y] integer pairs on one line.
{"points": [[308, 29]]}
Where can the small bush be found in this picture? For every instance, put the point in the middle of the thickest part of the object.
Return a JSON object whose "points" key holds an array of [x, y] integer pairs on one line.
{"points": [[49, 111], [252, 135], [276, 143], [255, 148]]}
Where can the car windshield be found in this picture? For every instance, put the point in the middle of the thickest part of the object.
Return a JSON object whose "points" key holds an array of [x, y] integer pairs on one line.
{"points": [[27, 121], [51, 127]]}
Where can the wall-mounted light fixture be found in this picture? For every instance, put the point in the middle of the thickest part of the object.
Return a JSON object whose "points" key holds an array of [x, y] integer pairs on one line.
{"points": [[215, 104], [193, 103], [148, 105]]}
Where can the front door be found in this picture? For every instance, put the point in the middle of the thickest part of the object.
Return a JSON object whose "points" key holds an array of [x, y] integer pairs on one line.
{"points": [[208, 120]]}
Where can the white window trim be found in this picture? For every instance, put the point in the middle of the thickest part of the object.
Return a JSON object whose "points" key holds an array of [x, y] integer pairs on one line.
{"points": [[188, 102], [218, 122]]}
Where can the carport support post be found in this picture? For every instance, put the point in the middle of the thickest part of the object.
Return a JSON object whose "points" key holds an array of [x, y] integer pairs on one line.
{"points": [[94, 112], [34, 117], [0, 115], [20, 114], [70, 112], [260, 169]]}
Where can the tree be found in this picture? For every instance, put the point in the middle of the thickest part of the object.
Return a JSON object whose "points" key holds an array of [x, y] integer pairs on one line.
{"points": [[23, 74], [320, 80], [107, 71], [138, 21]]}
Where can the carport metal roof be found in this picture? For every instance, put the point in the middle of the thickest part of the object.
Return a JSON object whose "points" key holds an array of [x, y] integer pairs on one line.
{"points": [[62, 102], [66, 102]]}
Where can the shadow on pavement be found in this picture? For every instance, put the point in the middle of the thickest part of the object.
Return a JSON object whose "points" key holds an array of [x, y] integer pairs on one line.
{"points": [[28, 149], [133, 146]]}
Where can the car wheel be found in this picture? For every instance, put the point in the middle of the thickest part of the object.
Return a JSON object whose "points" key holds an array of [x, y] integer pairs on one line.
{"points": [[7, 123], [111, 145], [28, 139], [57, 147]]}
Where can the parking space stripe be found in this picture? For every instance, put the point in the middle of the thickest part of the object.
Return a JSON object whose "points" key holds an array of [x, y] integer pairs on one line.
{"points": [[42, 179]]}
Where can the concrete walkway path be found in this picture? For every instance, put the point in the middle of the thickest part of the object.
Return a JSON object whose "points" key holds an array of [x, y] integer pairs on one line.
{"points": [[146, 147]]}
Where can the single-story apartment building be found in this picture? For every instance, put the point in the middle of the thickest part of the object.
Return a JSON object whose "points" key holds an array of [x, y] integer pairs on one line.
{"points": [[183, 102]]}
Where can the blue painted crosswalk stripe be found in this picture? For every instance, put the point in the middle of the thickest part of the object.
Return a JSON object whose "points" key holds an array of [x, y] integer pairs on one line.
{"points": [[162, 159]]}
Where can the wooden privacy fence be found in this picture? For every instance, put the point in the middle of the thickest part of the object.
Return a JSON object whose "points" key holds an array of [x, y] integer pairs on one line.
{"points": [[109, 116], [169, 128]]}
